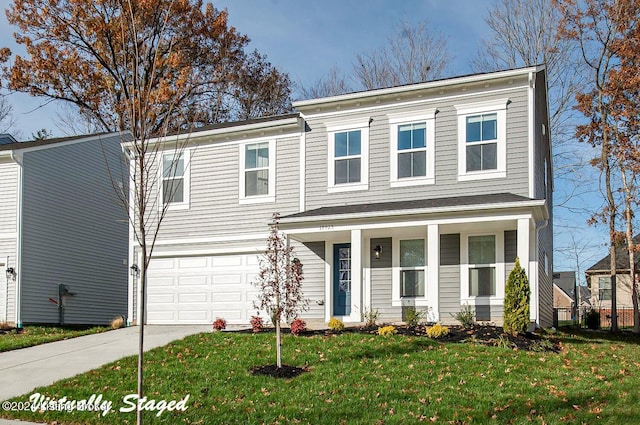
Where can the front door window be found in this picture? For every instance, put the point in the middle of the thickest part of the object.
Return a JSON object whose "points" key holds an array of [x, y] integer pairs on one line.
{"points": [[342, 280]]}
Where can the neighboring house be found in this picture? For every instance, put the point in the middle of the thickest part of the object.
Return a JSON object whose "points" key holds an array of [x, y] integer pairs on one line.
{"points": [[564, 290], [416, 196], [60, 225], [599, 279]]}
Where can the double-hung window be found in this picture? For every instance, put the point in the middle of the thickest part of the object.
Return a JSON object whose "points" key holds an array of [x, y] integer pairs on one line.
{"points": [[175, 179], [482, 140], [412, 148], [257, 172], [412, 268], [604, 288], [348, 156], [482, 266]]}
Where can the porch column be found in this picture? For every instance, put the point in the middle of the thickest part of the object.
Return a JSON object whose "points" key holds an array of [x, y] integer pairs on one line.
{"points": [[527, 255], [356, 274], [433, 271]]}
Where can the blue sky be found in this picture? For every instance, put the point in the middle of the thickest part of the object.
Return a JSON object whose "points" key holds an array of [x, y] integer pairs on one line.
{"points": [[307, 38]]}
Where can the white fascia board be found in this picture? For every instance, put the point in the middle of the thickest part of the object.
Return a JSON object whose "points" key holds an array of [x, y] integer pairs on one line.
{"points": [[419, 86], [422, 211], [192, 136]]}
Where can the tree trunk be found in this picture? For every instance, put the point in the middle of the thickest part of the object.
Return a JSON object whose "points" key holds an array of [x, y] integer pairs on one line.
{"points": [[628, 215]]}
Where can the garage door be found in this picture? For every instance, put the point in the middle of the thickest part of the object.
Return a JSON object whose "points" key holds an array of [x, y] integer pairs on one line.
{"points": [[197, 290]]}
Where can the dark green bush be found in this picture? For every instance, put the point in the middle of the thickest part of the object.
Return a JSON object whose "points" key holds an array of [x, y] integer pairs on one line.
{"points": [[516, 301], [592, 319]]}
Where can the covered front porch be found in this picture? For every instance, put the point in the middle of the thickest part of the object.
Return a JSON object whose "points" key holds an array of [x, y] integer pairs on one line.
{"points": [[434, 261]]}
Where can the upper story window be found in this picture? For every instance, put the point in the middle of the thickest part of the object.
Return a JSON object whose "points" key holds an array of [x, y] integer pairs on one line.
{"points": [[412, 148], [348, 156], [604, 288], [257, 172], [482, 140], [175, 179]]}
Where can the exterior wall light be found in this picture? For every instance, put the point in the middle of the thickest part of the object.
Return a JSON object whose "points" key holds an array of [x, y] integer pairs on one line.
{"points": [[11, 273], [135, 271], [377, 250]]}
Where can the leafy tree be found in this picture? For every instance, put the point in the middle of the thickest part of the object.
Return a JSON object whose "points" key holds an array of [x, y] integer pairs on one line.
{"points": [[516, 301], [595, 27], [279, 282], [199, 72]]}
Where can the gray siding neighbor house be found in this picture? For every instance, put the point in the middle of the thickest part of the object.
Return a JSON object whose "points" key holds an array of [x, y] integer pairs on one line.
{"points": [[419, 196], [63, 236]]}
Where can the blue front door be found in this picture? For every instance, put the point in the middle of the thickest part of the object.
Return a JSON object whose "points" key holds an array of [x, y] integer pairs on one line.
{"points": [[342, 279]]}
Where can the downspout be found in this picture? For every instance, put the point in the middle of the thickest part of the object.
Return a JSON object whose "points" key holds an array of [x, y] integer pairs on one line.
{"points": [[18, 279], [542, 225], [131, 277], [6, 294]]}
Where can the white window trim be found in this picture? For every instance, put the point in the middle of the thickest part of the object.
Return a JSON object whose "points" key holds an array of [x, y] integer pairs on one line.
{"points": [[499, 107], [395, 120], [465, 298], [396, 299], [258, 199], [186, 203], [339, 127]]}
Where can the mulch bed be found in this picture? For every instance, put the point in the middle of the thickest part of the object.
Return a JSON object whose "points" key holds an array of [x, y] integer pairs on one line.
{"points": [[274, 371]]}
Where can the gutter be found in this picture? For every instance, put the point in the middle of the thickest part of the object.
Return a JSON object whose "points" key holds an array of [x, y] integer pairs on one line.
{"points": [[18, 281]]}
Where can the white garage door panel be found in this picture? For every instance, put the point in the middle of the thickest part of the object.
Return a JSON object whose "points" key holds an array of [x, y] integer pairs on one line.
{"points": [[197, 290]]}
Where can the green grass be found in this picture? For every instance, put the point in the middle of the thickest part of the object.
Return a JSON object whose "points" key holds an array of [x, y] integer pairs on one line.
{"points": [[36, 335], [368, 379]]}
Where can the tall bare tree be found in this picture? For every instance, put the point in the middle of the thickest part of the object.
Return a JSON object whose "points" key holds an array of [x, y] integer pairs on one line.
{"points": [[6, 118], [412, 54], [332, 83]]}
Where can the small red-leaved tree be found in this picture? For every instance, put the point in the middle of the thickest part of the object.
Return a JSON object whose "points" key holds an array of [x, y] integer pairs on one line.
{"points": [[280, 282]]}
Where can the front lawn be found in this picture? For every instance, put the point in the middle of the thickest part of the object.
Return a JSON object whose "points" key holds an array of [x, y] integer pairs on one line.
{"points": [[368, 379], [36, 335]]}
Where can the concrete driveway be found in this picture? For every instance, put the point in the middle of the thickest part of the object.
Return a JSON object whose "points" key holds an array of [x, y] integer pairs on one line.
{"points": [[23, 370]]}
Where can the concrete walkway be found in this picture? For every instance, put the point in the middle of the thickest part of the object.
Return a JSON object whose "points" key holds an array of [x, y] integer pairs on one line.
{"points": [[23, 370]]}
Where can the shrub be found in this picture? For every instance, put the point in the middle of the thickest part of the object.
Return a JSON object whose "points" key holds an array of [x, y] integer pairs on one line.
{"points": [[335, 325], [219, 324], [437, 331], [516, 301], [413, 317], [466, 316], [117, 322], [592, 319], [257, 324], [387, 330], [5, 326], [505, 342], [369, 317], [298, 326]]}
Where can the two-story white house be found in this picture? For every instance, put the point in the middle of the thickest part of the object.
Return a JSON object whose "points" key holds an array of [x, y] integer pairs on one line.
{"points": [[63, 236], [416, 196]]}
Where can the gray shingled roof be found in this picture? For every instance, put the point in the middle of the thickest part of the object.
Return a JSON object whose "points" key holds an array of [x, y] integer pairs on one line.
{"points": [[419, 204], [44, 142], [565, 281], [229, 124], [622, 259]]}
